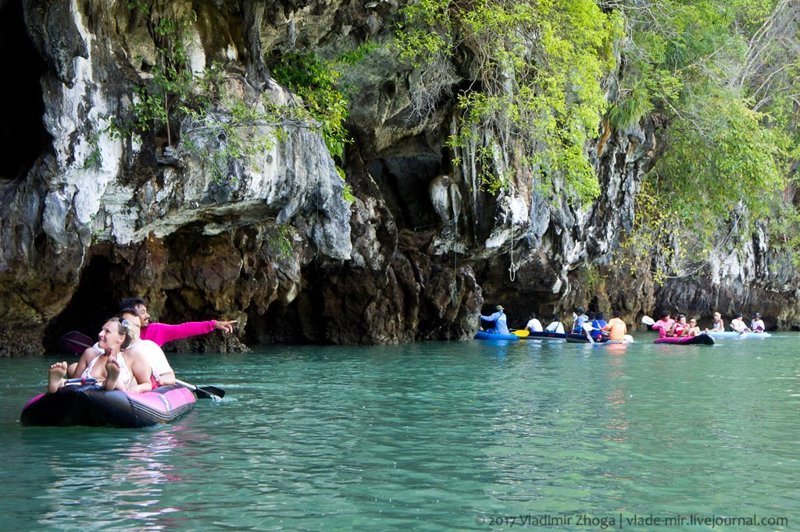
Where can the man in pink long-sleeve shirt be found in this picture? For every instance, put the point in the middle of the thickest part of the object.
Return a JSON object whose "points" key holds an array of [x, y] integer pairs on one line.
{"points": [[162, 333]]}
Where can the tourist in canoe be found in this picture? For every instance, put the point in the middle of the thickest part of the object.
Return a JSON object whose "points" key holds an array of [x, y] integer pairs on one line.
{"points": [[598, 323], [534, 325], [718, 324], [757, 324], [579, 317], [161, 373], [114, 369], [693, 329], [616, 328], [498, 320], [664, 325], [555, 325], [162, 333], [680, 326], [738, 325]]}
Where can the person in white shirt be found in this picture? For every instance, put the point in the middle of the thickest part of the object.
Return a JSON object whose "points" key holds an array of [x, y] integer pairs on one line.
{"points": [[718, 325], [757, 325], [534, 325], [555, 326], [737, 324], [161, 373]]}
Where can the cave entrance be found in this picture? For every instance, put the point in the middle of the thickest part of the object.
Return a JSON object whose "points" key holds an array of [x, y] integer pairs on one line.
{"points": [[22, 133], [404, 184], [93, 302]]}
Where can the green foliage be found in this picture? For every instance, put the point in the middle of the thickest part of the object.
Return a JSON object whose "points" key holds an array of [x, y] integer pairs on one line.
{"points": [[731, 134], [279, 241], [539, 68], [425, 32], [648, 247], [315, 81], [173, 81], [94, 159], [175, 92], [722, 159], [359, 55], [632, 106]]}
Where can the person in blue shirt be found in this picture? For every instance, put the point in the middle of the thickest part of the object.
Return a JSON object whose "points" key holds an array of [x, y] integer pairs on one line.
{"points": [[579, 318], [499, 321], [598, 324]]}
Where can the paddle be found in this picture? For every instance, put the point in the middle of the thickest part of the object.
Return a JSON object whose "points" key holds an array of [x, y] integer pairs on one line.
{"points": [[647, 320], [522, 333], [77, 342], [206, 392], [587, 328], [74, 342]]}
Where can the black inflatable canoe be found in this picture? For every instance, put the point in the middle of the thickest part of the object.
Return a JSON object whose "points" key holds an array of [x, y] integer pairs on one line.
{"points": [[91, 405]]}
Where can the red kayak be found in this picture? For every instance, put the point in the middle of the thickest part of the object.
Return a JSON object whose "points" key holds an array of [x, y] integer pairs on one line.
{"points": [[700, 339]]}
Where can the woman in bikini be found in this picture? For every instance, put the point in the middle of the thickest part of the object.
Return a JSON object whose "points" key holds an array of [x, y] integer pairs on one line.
{"points": [[112, 370]]}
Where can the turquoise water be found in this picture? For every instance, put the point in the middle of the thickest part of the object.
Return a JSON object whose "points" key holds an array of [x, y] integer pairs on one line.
{"points": [[431, 437]]}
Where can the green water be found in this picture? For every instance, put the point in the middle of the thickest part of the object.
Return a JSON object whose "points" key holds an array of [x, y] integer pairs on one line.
{"points": [[432, 437]]}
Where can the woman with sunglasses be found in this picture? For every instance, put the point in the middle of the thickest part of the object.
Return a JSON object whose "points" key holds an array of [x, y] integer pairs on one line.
{"points": [[112, 369]]}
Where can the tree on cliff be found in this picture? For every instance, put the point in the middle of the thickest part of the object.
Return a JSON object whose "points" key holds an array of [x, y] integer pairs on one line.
{"points": [[722, 78]]}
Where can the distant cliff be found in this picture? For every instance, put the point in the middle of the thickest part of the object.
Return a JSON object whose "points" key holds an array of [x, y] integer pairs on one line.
{"points": [[241, 211]]}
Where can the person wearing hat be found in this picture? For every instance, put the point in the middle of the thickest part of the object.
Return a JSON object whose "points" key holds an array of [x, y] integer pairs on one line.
{"points": [[757, 324], [499, 321], [737, 324]]}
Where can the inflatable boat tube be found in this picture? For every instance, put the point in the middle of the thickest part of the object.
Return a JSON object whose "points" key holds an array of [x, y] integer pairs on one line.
{"points": [[91, 405], [700, 339], [484, 335], [734, 334]]}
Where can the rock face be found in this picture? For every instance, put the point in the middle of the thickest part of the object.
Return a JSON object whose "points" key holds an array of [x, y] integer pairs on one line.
{"points": [[91, 215]]}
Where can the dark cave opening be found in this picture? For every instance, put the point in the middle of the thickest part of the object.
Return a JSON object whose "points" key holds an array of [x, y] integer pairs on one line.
{"points": [[22, 133], [404, 183], [93, 302]]}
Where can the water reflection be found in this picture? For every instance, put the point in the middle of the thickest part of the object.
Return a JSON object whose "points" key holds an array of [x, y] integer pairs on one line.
{"points": [[618, 423], [112, 477]]}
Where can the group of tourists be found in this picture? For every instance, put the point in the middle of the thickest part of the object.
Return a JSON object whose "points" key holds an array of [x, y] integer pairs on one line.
{"points": [[591, 323], [595, 325], [667, 326], [128, 354]]}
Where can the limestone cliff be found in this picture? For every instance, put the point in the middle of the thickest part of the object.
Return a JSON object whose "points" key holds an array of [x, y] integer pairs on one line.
{"points": [[273, 238]]}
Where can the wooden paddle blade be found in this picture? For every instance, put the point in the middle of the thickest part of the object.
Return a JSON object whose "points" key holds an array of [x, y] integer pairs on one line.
{"points": [[647, 320], [74, 342], [522, 333]]}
